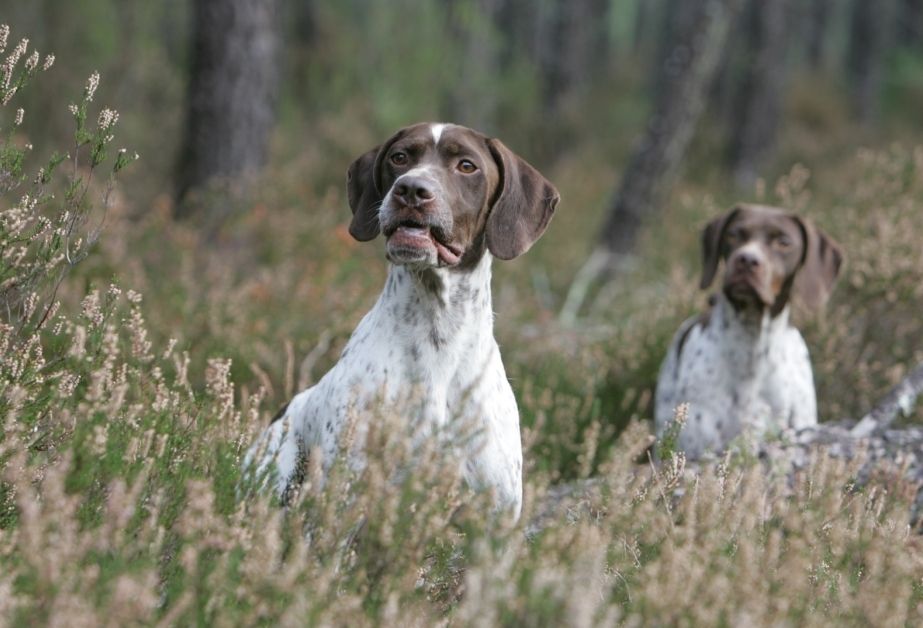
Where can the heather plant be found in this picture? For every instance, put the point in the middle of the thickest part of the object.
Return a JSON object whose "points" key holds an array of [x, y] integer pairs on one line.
{"points": [[44, 233]]}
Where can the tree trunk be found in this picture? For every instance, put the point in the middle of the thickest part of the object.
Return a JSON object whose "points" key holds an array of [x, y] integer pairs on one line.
{"points": [[230, 100], [868, 33], [700, 30], [910, 23], [758, 109], [570, 47], [472, 100], [818, 18], [697, 33], [642, 19]]}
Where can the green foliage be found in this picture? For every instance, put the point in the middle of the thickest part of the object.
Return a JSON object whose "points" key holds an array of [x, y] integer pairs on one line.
{"points": [[668, 443]]}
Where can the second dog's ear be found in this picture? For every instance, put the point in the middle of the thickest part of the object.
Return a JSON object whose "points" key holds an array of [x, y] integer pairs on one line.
{"points": [[711, 246], [523, 206], [363, 190], [820, 267]]}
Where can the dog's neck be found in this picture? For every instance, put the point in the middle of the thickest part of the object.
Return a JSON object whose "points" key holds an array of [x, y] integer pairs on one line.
{"points": [[757, 330], [438, 308]]}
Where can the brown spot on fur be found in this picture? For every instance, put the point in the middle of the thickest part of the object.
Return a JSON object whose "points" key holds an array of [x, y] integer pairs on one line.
{"points": [[279, 414], [701, 321]]}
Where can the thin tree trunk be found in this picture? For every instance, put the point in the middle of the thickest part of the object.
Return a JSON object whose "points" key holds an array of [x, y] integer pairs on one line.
{"points": [[472, 102], [642, 18], [570, 47], [818, 18], [230, 99], [759, 105], [698, 31], [701, 29], [867, 47], [910, 23], [300, 39]]}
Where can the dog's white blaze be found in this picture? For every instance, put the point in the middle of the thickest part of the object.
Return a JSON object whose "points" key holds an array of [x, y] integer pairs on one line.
{"points": [[417, 171], [754, 249], [437, 131], [424, 171]]}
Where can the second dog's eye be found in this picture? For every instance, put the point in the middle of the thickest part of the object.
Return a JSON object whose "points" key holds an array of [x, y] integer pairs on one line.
{"points": [[782, 241], [466, 166], [399, 158]]}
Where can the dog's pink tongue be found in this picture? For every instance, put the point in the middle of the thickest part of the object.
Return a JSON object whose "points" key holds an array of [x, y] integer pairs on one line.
{"points": [[446, 255]]}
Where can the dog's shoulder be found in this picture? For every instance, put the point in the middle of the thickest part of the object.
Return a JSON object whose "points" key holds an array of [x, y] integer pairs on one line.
{"points": [[691, 332]]}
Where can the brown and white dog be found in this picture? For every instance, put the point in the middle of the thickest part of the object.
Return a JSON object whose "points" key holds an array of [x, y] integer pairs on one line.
{"points": [[741, 366], [447, 199]]}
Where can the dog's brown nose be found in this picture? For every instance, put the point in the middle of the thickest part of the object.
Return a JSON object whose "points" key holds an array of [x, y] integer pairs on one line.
{"points": [[745, 261], [413, 191]]}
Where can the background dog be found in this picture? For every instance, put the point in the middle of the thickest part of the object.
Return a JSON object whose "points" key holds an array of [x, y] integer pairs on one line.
{"points": [[741, 365]]}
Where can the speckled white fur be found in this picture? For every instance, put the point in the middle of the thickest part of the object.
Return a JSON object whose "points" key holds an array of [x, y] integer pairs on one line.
{"points": [[431, 331], [743, 377]]}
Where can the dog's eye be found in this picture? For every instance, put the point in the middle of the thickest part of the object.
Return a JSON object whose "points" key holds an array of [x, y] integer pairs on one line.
{"points": [[466, 166], [782, 241], [399, 158]]}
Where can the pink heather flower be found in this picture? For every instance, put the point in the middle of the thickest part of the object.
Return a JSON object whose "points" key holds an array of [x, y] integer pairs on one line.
{"points": [[32, 61]]}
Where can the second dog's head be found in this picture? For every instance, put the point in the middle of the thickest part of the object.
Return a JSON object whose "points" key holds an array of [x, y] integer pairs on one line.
{"points": [[441, 194], [770, 254]]}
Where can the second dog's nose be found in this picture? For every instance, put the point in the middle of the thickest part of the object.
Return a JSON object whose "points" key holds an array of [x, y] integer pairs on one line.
{"points": [[413, 190], [745, 260]]}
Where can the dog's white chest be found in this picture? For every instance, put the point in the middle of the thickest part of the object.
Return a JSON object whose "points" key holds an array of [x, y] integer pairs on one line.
{"points": [[432, 360], [741, 382]]}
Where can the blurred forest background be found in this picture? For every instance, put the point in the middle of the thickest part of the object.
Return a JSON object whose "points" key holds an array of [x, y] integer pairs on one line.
{"points": [[650, 115], [151, 326], [557, 80]]}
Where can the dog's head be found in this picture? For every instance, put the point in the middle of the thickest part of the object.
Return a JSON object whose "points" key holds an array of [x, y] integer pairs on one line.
{"points": [[442, 194], [770, 254]]}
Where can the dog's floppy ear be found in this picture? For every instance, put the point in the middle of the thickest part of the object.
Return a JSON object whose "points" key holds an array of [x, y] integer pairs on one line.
{"points": [[820, 266], [522, 207], [363, 189], [711, 246]]}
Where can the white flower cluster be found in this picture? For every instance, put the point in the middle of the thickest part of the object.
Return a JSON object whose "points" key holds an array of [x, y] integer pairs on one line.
{"points": [[7, 88], [107, 118], [32, 61], [92, 83], [6, 69], [17, 218], [92, 309]]}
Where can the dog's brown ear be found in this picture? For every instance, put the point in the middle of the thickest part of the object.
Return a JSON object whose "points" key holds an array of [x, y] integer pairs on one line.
{"points": [[711, 246], [364, 196], [820, 266], [363, 190], [523, 206]]}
